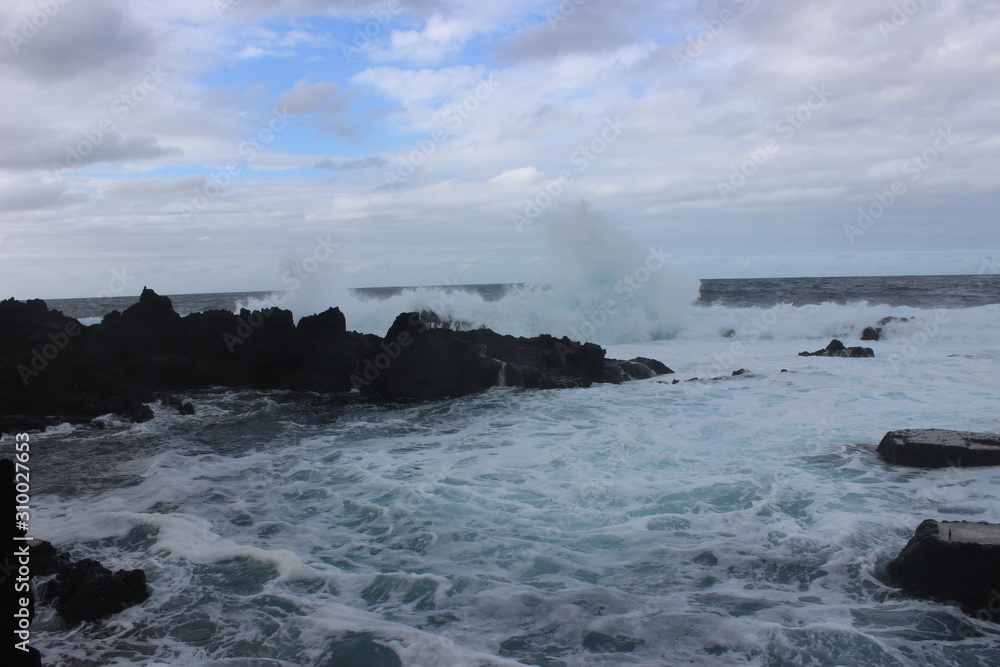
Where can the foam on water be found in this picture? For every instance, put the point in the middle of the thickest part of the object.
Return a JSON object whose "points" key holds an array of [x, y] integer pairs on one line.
{"points": [[737, 521]]}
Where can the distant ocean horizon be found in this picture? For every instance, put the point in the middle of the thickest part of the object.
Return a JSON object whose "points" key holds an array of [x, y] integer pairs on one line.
{"points": [[948, 291]]}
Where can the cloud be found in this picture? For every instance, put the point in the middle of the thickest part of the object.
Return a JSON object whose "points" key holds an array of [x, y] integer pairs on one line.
{"points": [[352, 165], [152, 188], [408, 103], [306, 98], [70, 152], [78, 38], [439, 38], [324, 104], [34, 196], [569, 29]]}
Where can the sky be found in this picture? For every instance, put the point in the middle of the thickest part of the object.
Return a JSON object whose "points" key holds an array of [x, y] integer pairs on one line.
{"points": [[233, 145]]}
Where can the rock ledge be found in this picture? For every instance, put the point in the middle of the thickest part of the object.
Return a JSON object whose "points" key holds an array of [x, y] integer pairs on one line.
{"points": [[940, 448]]}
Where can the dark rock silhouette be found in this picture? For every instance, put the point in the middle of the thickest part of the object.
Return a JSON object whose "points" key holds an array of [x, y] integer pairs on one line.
{"points": [[53, 369], [953, 561], [875, 332], [87, 591], [940, 448], [417, 359], [871, 333], [837, 349], [46, 559]]}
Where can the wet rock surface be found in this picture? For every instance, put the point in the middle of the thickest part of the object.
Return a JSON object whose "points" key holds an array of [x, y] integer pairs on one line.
{"points": [[953, 562], [940, 448], [55, 369], [838, 349]]}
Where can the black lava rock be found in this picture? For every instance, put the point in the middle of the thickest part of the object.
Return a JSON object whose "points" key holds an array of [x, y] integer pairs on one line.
{"points": [[837, 349], [54, 369], [940, 448], [88, 591], [953, 561]]}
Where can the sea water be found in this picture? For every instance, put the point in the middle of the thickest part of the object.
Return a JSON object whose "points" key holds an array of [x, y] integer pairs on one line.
{"points": [[726, 520]]}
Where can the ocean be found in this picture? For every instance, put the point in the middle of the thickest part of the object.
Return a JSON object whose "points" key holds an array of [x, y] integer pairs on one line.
{"points": [[730, 520]]}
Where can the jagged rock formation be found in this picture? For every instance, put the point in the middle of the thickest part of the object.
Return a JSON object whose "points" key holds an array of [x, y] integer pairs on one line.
{"points": [[54, 369], [837, 349]]}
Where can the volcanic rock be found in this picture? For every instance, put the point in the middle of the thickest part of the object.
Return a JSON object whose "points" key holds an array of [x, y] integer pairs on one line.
{"points": [[871, 333], [54, 369], [88, 591], [837, 349], [875, 332], [419, 360], [953, 561], [940, 448]]}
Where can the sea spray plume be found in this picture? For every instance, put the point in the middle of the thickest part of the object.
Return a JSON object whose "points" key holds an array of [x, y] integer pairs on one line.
{"points": [[606, 287], [309, 278], [601, 286]]}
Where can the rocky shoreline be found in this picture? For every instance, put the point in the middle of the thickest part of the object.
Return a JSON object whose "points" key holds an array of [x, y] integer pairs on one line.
{"points": [[58, 370], [54, 369]]}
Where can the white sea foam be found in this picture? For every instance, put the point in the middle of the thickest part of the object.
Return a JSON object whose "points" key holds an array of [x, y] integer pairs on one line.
{"points": [[744, 520]]}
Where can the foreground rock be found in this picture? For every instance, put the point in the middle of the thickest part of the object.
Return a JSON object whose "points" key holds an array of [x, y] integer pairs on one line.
{"points": [[837, 349], [953, 561], [87, 591], [940, 448], [53, 369], [418, 361]]}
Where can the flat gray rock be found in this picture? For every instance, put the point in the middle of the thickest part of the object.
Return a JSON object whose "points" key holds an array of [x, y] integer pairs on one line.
{"points": [[940, 448]]}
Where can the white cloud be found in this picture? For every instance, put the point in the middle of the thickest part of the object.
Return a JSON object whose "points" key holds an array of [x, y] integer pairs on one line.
{"points": [[410, 104]]}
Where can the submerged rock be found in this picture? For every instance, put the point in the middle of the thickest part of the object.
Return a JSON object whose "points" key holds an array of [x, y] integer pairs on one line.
{"points": [[838, 349], [953, 561], [940, 448]]}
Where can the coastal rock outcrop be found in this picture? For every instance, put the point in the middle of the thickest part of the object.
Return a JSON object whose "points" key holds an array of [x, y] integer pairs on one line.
{"points": [[54, 369], [940, 448], [85, 590], [838, 349], [419, 360], [953, 561], [80, 591]]}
